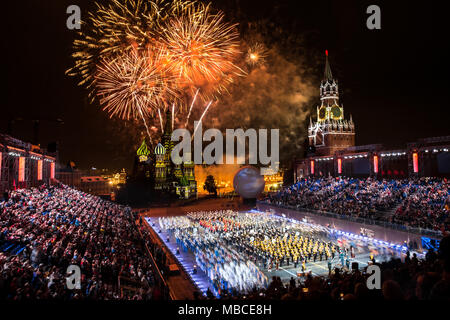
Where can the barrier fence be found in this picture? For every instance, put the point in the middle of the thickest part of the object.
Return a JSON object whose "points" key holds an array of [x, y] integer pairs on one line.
{"points": [[159, 279]]}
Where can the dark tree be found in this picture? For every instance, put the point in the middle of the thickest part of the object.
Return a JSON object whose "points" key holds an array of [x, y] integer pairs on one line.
{"points": [[210, 185]]}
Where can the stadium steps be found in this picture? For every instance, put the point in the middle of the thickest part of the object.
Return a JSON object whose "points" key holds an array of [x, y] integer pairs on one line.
{"points": [[199, 284], [391, 212], [11, 248], [7, 246], [4, 244], [18, 249]]}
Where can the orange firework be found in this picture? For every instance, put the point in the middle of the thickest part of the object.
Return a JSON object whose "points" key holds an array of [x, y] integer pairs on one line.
{"points": [[140, 56], [202, 50], [132, 84], [256, 54], [120, 25]]}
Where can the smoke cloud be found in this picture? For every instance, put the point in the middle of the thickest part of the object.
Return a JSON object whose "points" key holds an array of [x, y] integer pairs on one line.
{"points": [[274, 95]]}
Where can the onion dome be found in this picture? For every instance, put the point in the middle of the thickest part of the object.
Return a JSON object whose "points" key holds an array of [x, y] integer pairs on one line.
{"points": [[160, 150], [143, 150]]}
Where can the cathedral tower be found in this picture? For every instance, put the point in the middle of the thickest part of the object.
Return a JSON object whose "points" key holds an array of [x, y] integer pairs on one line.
{"points": [[171, 177]]}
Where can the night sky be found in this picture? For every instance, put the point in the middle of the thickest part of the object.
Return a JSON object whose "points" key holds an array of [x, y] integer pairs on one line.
{"points": [[392, 80]]}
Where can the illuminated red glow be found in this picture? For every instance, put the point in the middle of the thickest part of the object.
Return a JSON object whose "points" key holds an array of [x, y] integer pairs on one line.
{"points": [[339, 166], [312, 166], [415, 162], [21, 169], [39, 170], [326, 53], [375, 164], [52, 170]]}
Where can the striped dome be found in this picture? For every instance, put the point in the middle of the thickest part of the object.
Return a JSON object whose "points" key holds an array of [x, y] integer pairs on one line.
{"points": [[160, 150]]}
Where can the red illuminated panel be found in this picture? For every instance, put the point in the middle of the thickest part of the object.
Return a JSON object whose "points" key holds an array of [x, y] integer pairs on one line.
{"points": [[375, 164], [39, 171], [415, 162], [21, 169], [312, 166], [52, 170], [339, 166]]}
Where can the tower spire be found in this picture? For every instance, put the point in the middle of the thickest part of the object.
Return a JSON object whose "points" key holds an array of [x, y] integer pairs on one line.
{"points": [[168, 124], [327, 74]]}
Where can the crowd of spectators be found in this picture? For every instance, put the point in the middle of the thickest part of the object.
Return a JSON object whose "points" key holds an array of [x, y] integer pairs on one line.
{"points": [[44, 230], [347, 196], [421, 202], [426, 206]]}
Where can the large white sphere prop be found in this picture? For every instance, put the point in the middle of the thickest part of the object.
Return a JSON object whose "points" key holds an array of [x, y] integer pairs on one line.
{"points": [[248, 182]]}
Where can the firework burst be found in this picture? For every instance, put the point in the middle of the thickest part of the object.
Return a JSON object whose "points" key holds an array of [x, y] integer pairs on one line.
{"points": [[131, 84], [117, 27], [202, 49], [141, 56], [256, 55]]}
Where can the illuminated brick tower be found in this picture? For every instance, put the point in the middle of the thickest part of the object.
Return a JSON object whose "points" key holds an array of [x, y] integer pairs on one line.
{"points": [[331, 132]]}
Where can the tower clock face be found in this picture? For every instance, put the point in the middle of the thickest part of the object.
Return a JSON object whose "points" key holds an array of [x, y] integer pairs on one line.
{"points": [[336, 112], [322, 113]]}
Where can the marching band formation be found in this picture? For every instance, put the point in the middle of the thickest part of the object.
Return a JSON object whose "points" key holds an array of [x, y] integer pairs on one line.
{"points": [[233, 248]]}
